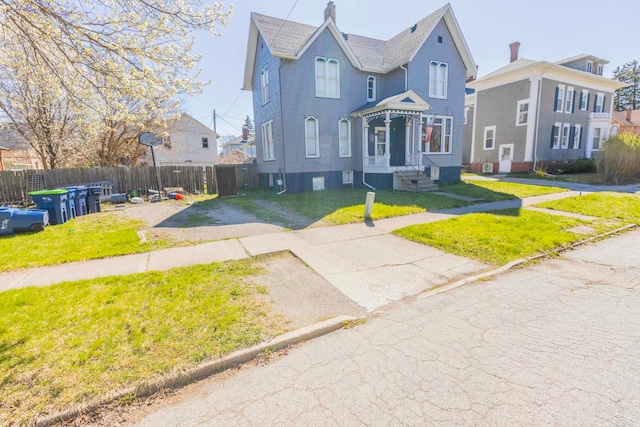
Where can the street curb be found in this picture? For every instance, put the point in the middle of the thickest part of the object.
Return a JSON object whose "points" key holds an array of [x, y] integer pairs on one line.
{"points": [[205, 370], [515, 263]]}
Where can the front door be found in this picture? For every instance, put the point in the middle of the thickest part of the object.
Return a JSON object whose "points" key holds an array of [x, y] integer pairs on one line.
{"points": [[506, 157]]}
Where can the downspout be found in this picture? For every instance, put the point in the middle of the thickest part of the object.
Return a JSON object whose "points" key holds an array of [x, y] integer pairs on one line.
{"points": [[284, 159], [364, 148], [535, 135], [406, 78]]}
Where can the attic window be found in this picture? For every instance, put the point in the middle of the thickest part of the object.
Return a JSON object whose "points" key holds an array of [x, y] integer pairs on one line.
{"points": [[439, 39], [414, 28], [346, 36]]}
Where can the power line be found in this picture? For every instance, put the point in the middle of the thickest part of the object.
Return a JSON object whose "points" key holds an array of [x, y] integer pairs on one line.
{"points": [[234, 103], [285, 20]]}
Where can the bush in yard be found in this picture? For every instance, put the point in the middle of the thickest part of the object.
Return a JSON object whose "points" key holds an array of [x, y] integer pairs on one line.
{"points": [[620, 160], [578, 166]]}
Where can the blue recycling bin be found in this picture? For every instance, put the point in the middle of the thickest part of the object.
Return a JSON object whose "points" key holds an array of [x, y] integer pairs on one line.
{"points": [[13, 220], [71, 202], [55, 202], [94, 193], [81, 200]]}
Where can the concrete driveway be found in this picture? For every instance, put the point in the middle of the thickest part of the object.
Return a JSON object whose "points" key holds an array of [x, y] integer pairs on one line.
{"points": [[557, 343]]}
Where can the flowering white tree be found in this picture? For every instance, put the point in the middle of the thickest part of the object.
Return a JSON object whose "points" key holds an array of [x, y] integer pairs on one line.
{"points": [[102, 57]]}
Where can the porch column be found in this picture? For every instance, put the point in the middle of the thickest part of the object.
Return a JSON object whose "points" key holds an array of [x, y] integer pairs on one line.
{"points": [[420, 141], [407, 145], [387, 139]]}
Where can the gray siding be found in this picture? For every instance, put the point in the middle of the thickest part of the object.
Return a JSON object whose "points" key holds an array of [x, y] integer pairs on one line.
{"points": [[467, 137], [418, 78], [498, 107], [548, 117], [269, 111]]}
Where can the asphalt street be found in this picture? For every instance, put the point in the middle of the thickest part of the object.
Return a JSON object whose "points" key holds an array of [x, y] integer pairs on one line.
{"points": [[556, 343]]}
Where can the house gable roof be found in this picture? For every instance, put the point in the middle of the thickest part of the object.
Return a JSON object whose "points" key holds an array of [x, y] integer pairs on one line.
{"points": [[405, 101], [290, 40], [525, 68], [621, 117]]}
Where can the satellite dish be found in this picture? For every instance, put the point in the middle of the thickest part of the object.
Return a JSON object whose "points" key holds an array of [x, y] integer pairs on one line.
{"points": [[150, 139]]}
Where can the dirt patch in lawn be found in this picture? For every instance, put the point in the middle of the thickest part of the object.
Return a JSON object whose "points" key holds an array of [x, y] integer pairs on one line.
{"points": [[292, 219], [216, 221]]}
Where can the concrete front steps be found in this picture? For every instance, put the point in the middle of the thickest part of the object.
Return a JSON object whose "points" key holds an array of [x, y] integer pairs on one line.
{"points": [[415, 182]]}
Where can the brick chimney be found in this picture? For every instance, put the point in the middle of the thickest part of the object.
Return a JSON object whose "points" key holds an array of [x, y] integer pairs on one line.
{"points": [[245, 133], [629, 111], [514, 50], [330, 11]]}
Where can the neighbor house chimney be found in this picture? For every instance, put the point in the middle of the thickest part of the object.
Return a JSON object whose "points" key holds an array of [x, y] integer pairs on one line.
{"points": [[629, 111], [330, 11], [245, 133], [514, 50]]}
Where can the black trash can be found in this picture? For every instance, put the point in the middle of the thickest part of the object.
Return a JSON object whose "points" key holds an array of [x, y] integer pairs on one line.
{"points": [[94, 193], [55, 202]]}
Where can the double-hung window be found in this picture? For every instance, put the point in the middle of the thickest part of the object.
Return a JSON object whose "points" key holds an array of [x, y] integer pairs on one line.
{"points": [[569, 100], [559, 98], [565, 135], [589, 67], [439, 142], [438, 79], [205, 142], [597, 136], [522, 117], [268, 152], [489, 137], [344, 137], [312, 142], [600, 69], [327, 77], [584, 99], [264, 84], [555, 135], [599, 105], [577, 134], [371, 88]]}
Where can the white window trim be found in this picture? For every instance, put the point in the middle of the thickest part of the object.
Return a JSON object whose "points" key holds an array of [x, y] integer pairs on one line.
{"points": [[599, 102], [569, 99], [600, 138], [267, 142], [373, 98], [437, 81], [306, 137], [522, 102], [264, 84], [484, 140], [614, 130], [585, 94], [349, 179], [558, 136], [564, 143], [577, 129], [600, 69], [562, 90], [589, 66], [326, 77], [348, 138], [466, 113], [317, 183], [443, 127], [202, 138]]}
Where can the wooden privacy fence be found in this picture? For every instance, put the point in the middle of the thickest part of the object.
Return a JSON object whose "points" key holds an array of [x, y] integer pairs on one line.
{"points": [[15, 185]]}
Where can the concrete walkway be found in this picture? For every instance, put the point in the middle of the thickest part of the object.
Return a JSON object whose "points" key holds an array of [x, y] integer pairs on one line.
{"points": [[363, 261]]}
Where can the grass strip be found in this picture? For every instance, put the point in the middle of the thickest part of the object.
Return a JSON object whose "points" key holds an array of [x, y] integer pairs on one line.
{"points": [[87, 237], [493, 191], [607, 205], [498, 237], [345, 206], [72, 342]]}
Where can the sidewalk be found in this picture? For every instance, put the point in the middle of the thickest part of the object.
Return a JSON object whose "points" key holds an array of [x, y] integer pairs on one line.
{"points": [[363, 261]]}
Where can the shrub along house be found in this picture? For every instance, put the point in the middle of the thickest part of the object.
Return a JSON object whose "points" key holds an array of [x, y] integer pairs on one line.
{"points": [[532, 112], [334, 109]]}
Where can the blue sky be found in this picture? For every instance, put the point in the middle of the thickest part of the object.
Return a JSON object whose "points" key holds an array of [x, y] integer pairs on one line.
{"points": [[547, 30]]}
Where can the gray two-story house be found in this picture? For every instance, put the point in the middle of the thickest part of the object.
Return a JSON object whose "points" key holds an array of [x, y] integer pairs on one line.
{"points": [[334, 109], [530, 113]]}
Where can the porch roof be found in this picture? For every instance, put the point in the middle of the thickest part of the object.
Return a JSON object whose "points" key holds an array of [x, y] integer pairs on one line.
{"points": [[405, 102]]}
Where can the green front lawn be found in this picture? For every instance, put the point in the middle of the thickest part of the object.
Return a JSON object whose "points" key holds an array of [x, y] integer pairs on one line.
{"points": [[87, 237], [345, 205], [496, 238], [493, 191], [625, 208], [579, 178], [72, 342]]}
